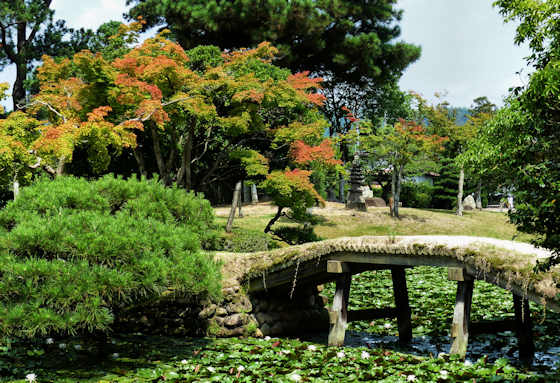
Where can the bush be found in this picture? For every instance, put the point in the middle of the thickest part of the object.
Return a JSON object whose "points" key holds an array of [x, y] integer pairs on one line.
{"points": [[73, 253], [418, 195], [296, 235], [245, 241]]}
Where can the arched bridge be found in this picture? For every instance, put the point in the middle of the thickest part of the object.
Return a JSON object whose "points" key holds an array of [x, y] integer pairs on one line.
{"points": [[506, 264]]}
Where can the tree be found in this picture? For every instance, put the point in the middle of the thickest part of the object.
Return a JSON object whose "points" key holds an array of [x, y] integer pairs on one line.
{"points": [[530, 144], [27, 31], [402, 145]]}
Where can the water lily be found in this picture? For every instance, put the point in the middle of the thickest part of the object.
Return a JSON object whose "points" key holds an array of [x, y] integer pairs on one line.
{"points": [[387, 325], [340, 354], [211, 369], [49, 341], [30, 377], [468, 363], [267, 338], [184, 361], [411, 378], [240, 368], [285, 352], [294, 377], [444, 374], [62, 346], [115, 355], [312, 347], [77, 347], [365, 355]]}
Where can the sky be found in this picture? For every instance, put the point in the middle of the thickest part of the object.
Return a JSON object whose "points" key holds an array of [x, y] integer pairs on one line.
{"points": [[467, 50]]}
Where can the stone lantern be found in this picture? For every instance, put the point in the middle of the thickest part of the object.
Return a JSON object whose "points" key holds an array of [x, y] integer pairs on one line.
{"points": [[355, 197]]}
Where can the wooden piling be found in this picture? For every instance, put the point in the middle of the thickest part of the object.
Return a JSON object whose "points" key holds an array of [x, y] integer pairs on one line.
{"points": [[339, 313], [402, 305], [461, 317], [524, 328]]}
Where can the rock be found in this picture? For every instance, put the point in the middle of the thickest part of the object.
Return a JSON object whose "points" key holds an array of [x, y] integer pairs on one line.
{"points": [[469, 203], [264, 318], [375, 202], [277, 329], [258, 333], [242, 306], [220, 311], [265, 329], [207, 312], [235, 320]]}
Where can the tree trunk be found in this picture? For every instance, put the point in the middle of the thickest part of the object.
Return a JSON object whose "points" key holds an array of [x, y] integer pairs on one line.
{"points": [[274, 219], [187, 159], [460, 192], [254, 194], [234, 204], [159, 156], [341, 189], [393, 191], [16, 187], [397, 197], [18, 92], [139, 156], [479, 195], [60, 166]]}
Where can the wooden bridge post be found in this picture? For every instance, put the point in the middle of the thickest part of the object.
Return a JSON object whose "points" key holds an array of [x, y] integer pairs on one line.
{"points": [[339, 313], [524, 328], [462, 313], [402, 305]]}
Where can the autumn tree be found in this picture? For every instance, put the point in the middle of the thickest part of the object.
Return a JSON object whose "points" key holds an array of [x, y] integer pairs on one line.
{"points": [[28, 31]]}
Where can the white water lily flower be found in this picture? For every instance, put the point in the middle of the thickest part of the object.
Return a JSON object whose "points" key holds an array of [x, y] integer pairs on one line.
{"points": [[115, 355], [184, 361], [267, 338], [387, 325], [77, 347], [294, 377], [240, 368], [30, 377], [49, 341], [285, 352], [62, 346], [340, 354], [211, 369], [468, 363], [312, 347], [444, 374], [365, 355], [411, 378]]}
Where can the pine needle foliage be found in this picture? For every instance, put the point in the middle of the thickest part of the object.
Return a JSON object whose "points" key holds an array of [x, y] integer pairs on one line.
{"points": [[74, 253]]}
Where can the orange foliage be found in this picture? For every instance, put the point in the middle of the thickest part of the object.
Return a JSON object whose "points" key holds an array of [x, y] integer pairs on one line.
{"points": [[302, 83], [303, 154]]}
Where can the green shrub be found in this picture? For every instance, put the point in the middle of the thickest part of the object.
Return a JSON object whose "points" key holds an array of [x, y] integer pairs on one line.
{"points": [[418, 195], [245, 241], [73, 253], [296, 235]]}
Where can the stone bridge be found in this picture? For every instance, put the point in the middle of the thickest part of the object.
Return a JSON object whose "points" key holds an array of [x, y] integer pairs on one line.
{"points": [[282, 284]]}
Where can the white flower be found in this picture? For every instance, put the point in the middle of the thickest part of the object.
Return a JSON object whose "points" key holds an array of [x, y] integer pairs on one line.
{"points": [[468, 363], [295, 377], [184, 361], [211, 369], [77, 347], [62, 346], [340, 354], [49, 341], [285, 352], [30, 377], [387, 325], [444, 374], [240, 368], [365, 355], [312, 347], [267, 338], [115, 355], [411, 378]]}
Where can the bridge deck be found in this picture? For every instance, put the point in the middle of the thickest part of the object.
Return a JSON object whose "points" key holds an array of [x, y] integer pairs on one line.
{"points": [[506, 264]]}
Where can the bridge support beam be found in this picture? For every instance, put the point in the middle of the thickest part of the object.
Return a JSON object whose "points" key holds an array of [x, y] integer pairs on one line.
{"points": [[339, 313], [461, 315], [402, 305], [524, 329]]}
